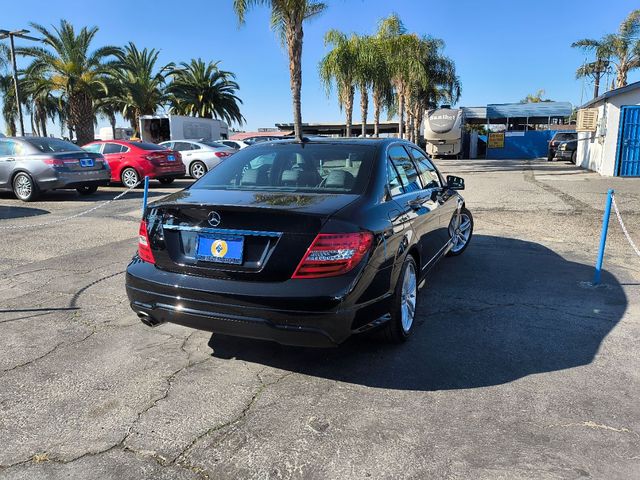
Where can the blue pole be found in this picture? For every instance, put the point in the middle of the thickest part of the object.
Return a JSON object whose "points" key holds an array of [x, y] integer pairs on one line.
{"points": [[145, 195], [603, 237]]}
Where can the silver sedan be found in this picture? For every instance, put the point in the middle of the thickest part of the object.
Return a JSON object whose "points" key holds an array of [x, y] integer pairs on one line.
{"points": [[199, 156], [30, 165]]}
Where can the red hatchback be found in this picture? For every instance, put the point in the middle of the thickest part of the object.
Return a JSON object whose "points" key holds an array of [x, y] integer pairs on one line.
{"points": [[132, 161]]}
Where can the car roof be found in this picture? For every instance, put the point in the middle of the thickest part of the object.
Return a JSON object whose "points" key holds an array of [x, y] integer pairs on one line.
{"points": [[342, 140]]}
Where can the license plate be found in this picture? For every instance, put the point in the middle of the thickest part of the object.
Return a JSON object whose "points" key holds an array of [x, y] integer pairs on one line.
{"points": [[171, 158], [220, 248], [86, 162]]}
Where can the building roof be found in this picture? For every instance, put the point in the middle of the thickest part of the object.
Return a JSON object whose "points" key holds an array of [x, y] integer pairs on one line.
{"points": [[612, 93], [475, 112], [522, 110], [277, 133]]}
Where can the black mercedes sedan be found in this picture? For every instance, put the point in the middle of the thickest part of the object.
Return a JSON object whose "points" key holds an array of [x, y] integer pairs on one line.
{"points": [[304, 243]]}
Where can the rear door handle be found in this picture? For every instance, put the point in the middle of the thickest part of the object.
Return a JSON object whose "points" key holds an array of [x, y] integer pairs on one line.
{"points": [[11, 159]]}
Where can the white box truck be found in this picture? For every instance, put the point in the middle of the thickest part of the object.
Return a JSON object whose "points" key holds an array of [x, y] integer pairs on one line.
{"points": [[161, 128], [122, 133]]}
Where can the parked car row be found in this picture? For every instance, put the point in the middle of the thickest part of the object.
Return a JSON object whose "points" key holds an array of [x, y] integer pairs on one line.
{"points": [[31, 165]]}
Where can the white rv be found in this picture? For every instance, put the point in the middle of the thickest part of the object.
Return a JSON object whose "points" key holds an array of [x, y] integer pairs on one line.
{"points": [[443, 132], [162, 128]]}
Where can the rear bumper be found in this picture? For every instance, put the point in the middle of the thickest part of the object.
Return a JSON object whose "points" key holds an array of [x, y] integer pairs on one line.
{"points": [[315, 314], [75, 179], [158, 171], [564, 154]]}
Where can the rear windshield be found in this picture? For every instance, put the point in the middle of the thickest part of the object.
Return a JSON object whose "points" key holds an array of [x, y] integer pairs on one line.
{"points": [[214, 144], [48, 145], [293, 167], [148, 146], [563, 137]]}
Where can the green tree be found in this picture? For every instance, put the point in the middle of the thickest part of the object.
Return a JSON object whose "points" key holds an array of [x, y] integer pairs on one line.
{"points": [[140, 89], [75, 73], [339, 67], [203, 90], [622, 49], [537, 97], [287, 18]]}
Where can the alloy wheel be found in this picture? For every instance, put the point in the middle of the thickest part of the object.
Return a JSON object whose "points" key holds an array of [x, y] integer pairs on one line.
{"points": [[460, 231], [129, 177], [23, 186], [198, 169], [408, 299]]}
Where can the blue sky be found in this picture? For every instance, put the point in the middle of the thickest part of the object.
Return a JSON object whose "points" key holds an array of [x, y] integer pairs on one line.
{"points": [[503, 49]]}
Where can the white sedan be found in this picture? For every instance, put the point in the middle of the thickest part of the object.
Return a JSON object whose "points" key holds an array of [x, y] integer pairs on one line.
{"points": [[199, 156]]}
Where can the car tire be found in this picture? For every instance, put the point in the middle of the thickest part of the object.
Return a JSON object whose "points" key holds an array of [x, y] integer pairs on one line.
{"points": [[87, 189], [197, 169], [404, 304], [573, 157], [24, 188], [460, 232], [129, 177], [166, 180]]}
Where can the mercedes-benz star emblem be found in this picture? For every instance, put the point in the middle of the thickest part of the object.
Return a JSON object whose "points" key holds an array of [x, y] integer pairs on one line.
{"points": [[214, 219]]}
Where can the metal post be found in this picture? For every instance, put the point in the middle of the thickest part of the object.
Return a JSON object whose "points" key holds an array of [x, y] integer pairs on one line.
{"points": [[603, 237], [15, 82], [145, 195]]}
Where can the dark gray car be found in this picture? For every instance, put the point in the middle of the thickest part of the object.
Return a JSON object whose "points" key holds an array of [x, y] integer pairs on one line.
{"points": [[30, 165]]}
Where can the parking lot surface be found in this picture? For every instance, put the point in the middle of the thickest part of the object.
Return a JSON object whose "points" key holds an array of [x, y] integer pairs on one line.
{"points": [[518, 367]]}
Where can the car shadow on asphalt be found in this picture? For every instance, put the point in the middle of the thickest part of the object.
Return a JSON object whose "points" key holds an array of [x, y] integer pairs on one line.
{"points": [[8, 212], [503, 310]]}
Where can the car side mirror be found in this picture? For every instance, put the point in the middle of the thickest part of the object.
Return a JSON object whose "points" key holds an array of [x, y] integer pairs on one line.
{"points": [[455, 183]]}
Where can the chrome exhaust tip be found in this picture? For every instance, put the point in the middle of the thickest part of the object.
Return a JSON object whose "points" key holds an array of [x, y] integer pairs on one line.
{"points": [[148, 320]]}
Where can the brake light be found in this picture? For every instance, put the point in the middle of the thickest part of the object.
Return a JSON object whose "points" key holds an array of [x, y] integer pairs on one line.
{"points": [[57, 162], [333, 254], [155, 159], [221, 154], [144, 247]]}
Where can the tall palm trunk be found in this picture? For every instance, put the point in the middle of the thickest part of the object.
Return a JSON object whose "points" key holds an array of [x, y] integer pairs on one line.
{"points": [[377, 100], [364, 108], [112, 122], [623, 70], [400, 110], [81, 117], [294, 36], [348, 106], [417, 122]]}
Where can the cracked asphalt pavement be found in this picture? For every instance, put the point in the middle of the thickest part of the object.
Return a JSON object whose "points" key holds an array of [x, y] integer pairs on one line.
{"points": [[518, 367]]}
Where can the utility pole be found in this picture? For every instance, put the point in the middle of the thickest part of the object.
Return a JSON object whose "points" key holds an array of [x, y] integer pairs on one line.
{"points": [[20, 34]]}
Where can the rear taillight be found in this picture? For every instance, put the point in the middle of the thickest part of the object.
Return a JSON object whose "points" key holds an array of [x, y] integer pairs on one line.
{"points": [[333, 254], [144, 247], [221, 154], [56, 162]]}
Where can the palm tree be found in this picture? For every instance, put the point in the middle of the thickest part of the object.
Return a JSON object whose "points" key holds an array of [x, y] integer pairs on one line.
{"points": [[402, 51], [368, 60], [381, 82], [203, 90], [140, 88], [596, 69], [109, 104], [537, 97], [622, 49], [287, 18], [75, 73], [339, 66]]}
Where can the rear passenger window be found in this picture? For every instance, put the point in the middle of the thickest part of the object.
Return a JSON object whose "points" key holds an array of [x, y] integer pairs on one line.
{"points": [[426, 170], [405, 167], [395, 185], [112, 148], [7, 147]]}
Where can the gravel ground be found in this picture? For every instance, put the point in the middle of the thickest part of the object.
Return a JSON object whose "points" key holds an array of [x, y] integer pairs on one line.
{"points": [[518, 368]]}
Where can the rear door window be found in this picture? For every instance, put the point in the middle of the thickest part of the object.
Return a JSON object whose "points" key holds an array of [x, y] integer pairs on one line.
{"points": [[182, 146], [7, 148], [426, 170], [395, 184], [95, 148], [405, 167], [110, 148]]}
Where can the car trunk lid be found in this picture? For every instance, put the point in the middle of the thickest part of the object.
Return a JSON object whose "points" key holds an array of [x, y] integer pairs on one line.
{"points": [[260, 235]]}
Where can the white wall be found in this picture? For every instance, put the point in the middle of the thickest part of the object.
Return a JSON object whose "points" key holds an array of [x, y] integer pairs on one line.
{"points": [[597, 151]]}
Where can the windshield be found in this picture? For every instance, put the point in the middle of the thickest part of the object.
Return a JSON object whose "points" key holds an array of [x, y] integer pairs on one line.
{"points": [[564, 137], [48, 145], [294, 167]]}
